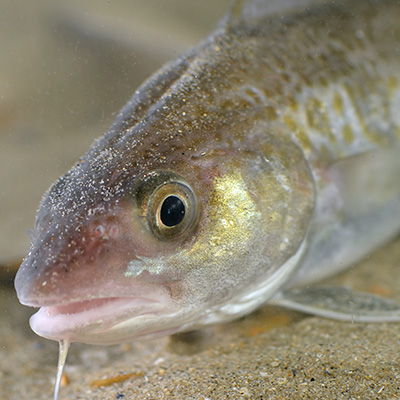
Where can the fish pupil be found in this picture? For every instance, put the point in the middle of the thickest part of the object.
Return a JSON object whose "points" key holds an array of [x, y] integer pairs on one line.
{"points": [[172, 211]]}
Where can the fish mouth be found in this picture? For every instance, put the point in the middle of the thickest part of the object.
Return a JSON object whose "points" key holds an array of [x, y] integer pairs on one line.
{"points": [[102, 320]]}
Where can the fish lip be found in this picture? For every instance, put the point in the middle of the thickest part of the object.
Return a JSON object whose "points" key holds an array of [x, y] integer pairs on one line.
{"points": [[79, 307], [88, 318]]}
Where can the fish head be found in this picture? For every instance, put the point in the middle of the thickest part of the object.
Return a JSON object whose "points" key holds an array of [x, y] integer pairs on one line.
{"points": [[151, 234]]}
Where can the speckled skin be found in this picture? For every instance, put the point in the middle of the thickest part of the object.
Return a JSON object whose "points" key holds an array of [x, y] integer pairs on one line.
{"points": [[248, 119]]}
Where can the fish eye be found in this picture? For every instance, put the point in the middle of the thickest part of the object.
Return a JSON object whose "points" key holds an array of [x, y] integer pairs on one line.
{"points": [[169, 205], [172, 211]]}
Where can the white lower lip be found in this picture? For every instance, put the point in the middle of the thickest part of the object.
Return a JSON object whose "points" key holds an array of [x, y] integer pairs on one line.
{"points": [[88, 318]]}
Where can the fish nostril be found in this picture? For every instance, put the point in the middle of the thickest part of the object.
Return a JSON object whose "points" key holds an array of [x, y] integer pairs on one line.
{"points": [[107, 231], [99, 231], [114, 231]]}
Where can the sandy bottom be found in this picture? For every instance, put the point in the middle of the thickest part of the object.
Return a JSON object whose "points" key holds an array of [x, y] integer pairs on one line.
{"points": [[271, 354]]}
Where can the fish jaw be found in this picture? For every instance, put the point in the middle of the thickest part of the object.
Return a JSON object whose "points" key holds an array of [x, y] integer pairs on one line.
{"points": [[107, 320], [79, 280], [98, 301]]}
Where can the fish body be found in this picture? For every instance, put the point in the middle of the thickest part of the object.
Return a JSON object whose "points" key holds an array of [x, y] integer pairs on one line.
{"points": [[265, 158]]}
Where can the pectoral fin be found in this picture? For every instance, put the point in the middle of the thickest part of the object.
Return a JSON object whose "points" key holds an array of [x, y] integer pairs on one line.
{"points": [[339, 303], [357, 211]]}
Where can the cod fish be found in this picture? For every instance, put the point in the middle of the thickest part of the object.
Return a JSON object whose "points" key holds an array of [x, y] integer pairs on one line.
{"points": [[263, 160]]}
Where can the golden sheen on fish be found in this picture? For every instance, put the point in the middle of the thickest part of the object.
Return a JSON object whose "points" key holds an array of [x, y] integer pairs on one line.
{"points": [[265, 158]]}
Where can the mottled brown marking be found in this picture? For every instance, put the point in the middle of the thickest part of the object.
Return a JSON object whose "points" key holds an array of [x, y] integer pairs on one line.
{"points": [[393, 85], [356, 100], [317, 118], [304, 139], [338, 103], [348, 134]]}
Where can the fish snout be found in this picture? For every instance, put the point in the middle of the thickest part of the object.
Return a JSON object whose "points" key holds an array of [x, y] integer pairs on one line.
{"points": [[64, 259]]}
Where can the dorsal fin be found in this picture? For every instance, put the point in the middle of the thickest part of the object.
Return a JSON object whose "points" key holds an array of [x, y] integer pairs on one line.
{"points": [[249, 11], [235, 12]]}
